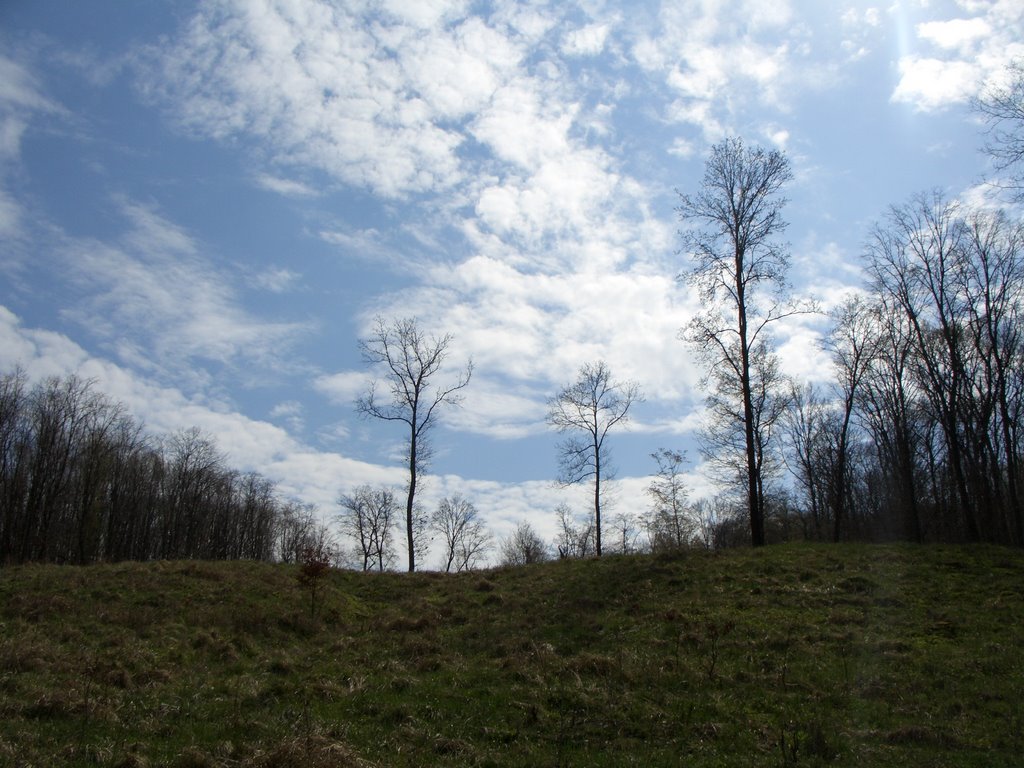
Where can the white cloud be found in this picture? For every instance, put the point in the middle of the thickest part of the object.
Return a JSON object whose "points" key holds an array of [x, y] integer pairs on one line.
{"points": [[965, 54], [531, 331], [344, 387], [21, 97], [956, 34], [681, 148], [158, 302], [933, 83], [500, 408], [801, 354], [11, 131], [292, 413], [777, 136], [521, 128], [365, 243], [586, 41], [457, 74], [286, 187], [718, 55], [275, 279], [19, 89], [40, 352], [320, 87], [425, 13], [10, 216]]}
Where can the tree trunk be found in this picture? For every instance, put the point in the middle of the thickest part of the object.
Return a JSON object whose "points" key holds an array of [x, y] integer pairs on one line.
{"points": [[757, 537], [411, 495], [597, 501]]}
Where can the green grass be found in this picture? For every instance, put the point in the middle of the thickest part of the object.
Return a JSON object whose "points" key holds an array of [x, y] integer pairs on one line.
{"points": [[792, 655]]}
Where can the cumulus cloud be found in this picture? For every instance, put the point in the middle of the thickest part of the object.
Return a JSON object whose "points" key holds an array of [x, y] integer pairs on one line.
{"points": [[321, 88], [722, 54], [962, 55], [586, 41], [344, 387], [930, 83], [956, 34]]}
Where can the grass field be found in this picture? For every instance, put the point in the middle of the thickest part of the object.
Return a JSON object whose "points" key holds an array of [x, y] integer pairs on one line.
{"points": [[791, 655]]}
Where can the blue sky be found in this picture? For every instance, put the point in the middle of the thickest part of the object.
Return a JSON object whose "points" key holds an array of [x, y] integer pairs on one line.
{"points": [[204, 205]]}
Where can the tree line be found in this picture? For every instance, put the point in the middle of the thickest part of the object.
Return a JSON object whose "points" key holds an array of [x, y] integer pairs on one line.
{"points": [[81, 482], [918, 437]]}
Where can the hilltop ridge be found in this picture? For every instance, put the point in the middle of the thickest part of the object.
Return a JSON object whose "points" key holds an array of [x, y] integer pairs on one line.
{"points": [[788, 655]]}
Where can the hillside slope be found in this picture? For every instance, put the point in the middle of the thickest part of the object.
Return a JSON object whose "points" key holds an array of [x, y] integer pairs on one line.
{"points": [[790, 655]]}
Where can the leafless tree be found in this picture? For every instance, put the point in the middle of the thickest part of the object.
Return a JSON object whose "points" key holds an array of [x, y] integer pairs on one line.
{"points": [[367, 516], [409, 360], [591, 406], [992, 281], [81, 482], [669, 522], [626, 529], [575, 537], [852, 344], [707, 514], [802, 436], [912, 260], [1002, 106], [296, 531], [523, 547], [466, 539], [739, 271]]}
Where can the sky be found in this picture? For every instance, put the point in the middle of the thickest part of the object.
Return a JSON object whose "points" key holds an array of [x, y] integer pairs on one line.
{"points": [[205, 205]]}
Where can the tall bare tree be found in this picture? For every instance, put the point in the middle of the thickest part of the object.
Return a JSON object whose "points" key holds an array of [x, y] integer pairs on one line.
{"points": [[739, 270], [591, 407], [466, 539], [914, 259], [409, 360]]}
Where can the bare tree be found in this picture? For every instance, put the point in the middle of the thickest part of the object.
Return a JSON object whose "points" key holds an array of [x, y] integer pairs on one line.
{"points": [[627, 530], [802, 435], [992, 281], [739, 271], [80, 482], [914, 260], [409, 360], [592, 406], [466, 538], [575, 537], [669, 524], [1002, 106], [367, 516], [708, 515], [296, 531], [853, 345], [523, 547]]}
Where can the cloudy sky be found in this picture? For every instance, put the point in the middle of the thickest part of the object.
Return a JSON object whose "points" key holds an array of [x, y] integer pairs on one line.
{"points": [[203, 206]]}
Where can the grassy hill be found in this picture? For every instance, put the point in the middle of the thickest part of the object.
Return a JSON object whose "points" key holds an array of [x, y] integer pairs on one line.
{"points": [[791, 655]]}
